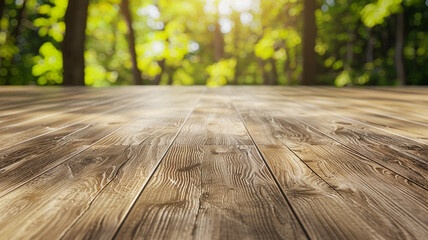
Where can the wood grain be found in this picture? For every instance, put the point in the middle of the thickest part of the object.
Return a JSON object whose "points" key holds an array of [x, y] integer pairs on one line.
{"points": [[23, 162], [363, 112], [213, 163], [206, 191], [109, 168], [402, 155], [352, 100], [392, 205]]}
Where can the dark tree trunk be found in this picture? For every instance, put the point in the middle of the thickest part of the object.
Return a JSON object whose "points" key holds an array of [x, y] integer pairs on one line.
{"points": [[2, 8], [20, 16], [236, 34], [399, 43], [370, 46], [159, 76], [309, 36], [12, 37], [290, 21], [218, 43], [350, 49], [265, 75], [274, 80], [288, 70], [170, 76], [136, 73], [116, 33], [74, 42], [236, 73]]}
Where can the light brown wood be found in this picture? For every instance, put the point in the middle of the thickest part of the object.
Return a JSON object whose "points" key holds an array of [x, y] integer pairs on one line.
{"points": [[212, 184], [213, 163], [369, 187], [402, 155], [366, 102], [94, 176]]}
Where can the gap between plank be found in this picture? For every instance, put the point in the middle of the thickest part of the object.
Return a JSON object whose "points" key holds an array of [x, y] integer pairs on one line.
{"points": [[384, 115], [367, 124], [74, 123], [157, 165], [271, 173], [82, 150], [349, 148], [67, 111]]}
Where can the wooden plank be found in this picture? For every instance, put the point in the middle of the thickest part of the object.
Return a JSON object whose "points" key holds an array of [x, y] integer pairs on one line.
{"points": [[416, 97], [208, 191], [35, 98], [360, 112], [27, 160], [323, 210], [29, 114], [327, 164], [409, 129], [99, 184], [391, 205], [413, 90], [392, 109], [401, 155], [214, 122], [19, 133], [380, 95]]}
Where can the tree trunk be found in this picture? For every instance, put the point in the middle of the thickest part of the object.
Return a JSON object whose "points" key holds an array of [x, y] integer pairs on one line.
{"points": [[236, 33], [136, 73], [159, 76], [2, 8], [290, 22], [12, 37], [218, 43], [171, 76], [289, 71], [274, 80], [74, 42], [370, 46], [19, 17], [350, 49], [265, 75], [399, 43], [309, 36]]}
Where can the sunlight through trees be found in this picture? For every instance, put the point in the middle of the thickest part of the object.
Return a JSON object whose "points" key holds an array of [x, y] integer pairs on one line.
{"points": [[213, 42]]}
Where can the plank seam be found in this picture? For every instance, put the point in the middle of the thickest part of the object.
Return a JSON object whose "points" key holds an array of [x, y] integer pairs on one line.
{"points": [[96, 196], [50, 96], [76, 153], [351, 149], [381, 114], [157, 165], [285, 145], [199, 199], [70, 110], [72, 124], [273, 176], [360, 154]]}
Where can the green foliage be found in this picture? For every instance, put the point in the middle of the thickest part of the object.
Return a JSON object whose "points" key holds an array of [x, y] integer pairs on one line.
{"points": [[51, 22], [221, 72], [175, 42], [375, 13], [48, 65]]}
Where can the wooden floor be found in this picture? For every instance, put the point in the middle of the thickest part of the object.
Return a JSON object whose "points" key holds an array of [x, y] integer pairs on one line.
{"points": [[213, 163]]}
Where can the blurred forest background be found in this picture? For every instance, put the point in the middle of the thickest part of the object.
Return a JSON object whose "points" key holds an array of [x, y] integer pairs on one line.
{"points": [[213, 42]]}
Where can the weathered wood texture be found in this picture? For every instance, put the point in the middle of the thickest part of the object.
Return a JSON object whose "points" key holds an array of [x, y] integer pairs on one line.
{"points": [[213, 163]]}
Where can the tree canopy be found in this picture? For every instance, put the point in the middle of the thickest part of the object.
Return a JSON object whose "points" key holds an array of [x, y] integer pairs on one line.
{"points": [[216, 42]]}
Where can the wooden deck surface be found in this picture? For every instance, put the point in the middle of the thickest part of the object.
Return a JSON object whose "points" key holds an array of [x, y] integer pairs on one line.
{"points": [[213, 163]]}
